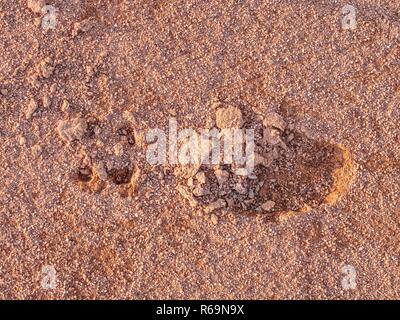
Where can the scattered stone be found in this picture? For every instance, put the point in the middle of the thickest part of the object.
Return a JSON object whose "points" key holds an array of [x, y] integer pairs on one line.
{"points": [[46, 68], [22, 141], [70, 130], [187, 195], [135, 179], [218, 204], [46, 102], [37, 21], [231, 218], [264, 161], [3, 92], [109, 164], [214, 219], [65, 107], [275, 152], [215, 103], [31, 108], [140, 138], [268, 206], [53, 88], [222, 176], [101, 171], [34, 81], [272, 136], [127, 115], [197, 184], [37, 150], [118, 149], [290, 137], [240, 188], [186, 171], [89, 72], [199, 191], [148, 194], [242, 172], [229, 118], [97, 130], [274, 120], [284, 216], [36, 5], [260, 185], [172, 112], [200, 177], [230, 202], [251, 194]]}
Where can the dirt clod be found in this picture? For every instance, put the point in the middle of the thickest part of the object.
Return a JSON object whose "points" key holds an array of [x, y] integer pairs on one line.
{"points": [[70, 130], [36, 5], [229, 118]]}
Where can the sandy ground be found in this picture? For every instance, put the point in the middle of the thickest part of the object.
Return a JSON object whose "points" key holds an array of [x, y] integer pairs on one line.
{"points": [[76, 191]]}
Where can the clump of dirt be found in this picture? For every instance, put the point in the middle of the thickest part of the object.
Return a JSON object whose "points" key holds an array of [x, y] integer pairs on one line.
{"points": [[71, 130], [36, 5], [229, 117]]}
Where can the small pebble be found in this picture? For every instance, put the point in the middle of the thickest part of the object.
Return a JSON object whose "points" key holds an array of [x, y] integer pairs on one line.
{"points": [[201, 177], [274, 120], [268, 206], [214, 219], [36, 5], [272, 136], [31, 108], [218, 204], [22, 141], [101, 171], [229, 118], [65, 106], [46, 102], [118, 149], [46, 68], [71, 130], [221, 175]]}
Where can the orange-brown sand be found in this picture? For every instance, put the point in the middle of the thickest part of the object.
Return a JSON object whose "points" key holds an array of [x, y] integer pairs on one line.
{"points": [[84, 215]]}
